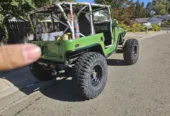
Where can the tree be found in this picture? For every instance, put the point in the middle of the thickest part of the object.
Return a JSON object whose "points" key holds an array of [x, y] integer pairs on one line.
{"points": [[161, 6], [124, 12], [12, 8], [140, 10], [148, 9], [122, 9]]}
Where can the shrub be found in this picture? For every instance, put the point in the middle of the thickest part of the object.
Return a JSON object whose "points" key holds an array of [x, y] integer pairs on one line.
{"points": [[124, 26], [131, 29], [143, 28], [136, 27], [155, 27], [166, 24]]}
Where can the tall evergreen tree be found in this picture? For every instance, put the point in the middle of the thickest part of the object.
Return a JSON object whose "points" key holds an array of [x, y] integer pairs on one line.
{"points": [[148, 9], [140, 10], [161, 6]]}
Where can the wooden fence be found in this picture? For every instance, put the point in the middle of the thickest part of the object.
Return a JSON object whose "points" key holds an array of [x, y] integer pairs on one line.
{"points": [[17, 32]]}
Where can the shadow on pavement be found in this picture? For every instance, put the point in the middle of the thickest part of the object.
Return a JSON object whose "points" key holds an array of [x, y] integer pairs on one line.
{"points": [[63, 90], [119, 51], [115, 62], [20, 78]]}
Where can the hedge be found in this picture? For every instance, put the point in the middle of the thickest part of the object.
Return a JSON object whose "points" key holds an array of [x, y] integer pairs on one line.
{"points": [[136, 27]]}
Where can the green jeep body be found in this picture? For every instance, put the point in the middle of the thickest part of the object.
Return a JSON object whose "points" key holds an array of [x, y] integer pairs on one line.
{"points": [[60, 51]]}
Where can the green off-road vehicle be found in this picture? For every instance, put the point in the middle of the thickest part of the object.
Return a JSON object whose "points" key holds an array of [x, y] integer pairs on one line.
{"points": [[78, 38]]}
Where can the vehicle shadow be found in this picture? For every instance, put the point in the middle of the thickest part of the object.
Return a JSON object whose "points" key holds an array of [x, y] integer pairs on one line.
{"points": [[63, 90], [119, 51], [20, 78], [115, 62]]}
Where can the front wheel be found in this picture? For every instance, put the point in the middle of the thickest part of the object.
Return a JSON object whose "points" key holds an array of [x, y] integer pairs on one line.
{"points": [[131, 51], [90, 73]]}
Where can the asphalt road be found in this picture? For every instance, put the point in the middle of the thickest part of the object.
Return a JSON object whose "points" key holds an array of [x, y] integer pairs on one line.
{"points": [[139, 90]]}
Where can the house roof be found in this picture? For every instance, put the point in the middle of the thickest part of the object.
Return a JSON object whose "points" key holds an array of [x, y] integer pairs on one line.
{"points": [[141, 20], [164, 17], [155, 19]]}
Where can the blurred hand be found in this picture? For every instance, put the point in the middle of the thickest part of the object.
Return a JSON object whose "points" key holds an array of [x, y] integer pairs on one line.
{"points": [[19, 55]]}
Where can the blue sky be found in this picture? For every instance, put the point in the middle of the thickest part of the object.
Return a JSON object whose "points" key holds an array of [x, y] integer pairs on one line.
{"points": [[145, 1], [91, 1]]}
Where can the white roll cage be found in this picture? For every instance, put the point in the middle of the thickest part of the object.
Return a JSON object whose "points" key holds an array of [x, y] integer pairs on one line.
{"points": [[70, 21]]}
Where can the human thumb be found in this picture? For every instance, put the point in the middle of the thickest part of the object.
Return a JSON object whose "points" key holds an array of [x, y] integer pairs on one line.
{"points": [[19, 55]]}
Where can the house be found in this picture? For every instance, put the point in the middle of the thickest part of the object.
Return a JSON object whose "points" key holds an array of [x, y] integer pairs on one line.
{"points": [[158, 19], [164, 17], [141, 20], [155, 20]]}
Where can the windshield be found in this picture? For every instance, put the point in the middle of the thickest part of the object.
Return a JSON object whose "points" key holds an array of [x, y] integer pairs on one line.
{"points": [[101, 15]]}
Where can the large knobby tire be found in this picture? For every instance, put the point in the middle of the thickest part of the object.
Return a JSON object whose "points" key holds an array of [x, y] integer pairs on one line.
{"points": [[41, 73], [90, 73], [131, 51]]}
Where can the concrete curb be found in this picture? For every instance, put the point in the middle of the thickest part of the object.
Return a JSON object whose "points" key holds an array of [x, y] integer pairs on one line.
{"points": [[14, 95], [16, 80], [26, 87]]}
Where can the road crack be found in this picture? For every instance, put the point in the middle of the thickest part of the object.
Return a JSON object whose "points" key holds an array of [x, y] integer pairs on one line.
{"points": [[30, 104]]}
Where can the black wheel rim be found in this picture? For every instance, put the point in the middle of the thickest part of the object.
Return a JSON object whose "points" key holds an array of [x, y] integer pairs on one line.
{"points": [[96, 75], [135, 50]]}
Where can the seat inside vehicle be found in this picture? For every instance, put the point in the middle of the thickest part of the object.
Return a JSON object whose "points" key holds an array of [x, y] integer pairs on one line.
{"points": [[84, 24], [104, 28]]}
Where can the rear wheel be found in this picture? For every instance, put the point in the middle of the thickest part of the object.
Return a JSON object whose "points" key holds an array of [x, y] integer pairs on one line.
{"points": [[41, 73], [131, 51], [90, 74]]}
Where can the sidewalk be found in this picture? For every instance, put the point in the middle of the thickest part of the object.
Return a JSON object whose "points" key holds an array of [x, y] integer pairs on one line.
{"points": [[12, 81], [141, 35], [17, 85]]}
